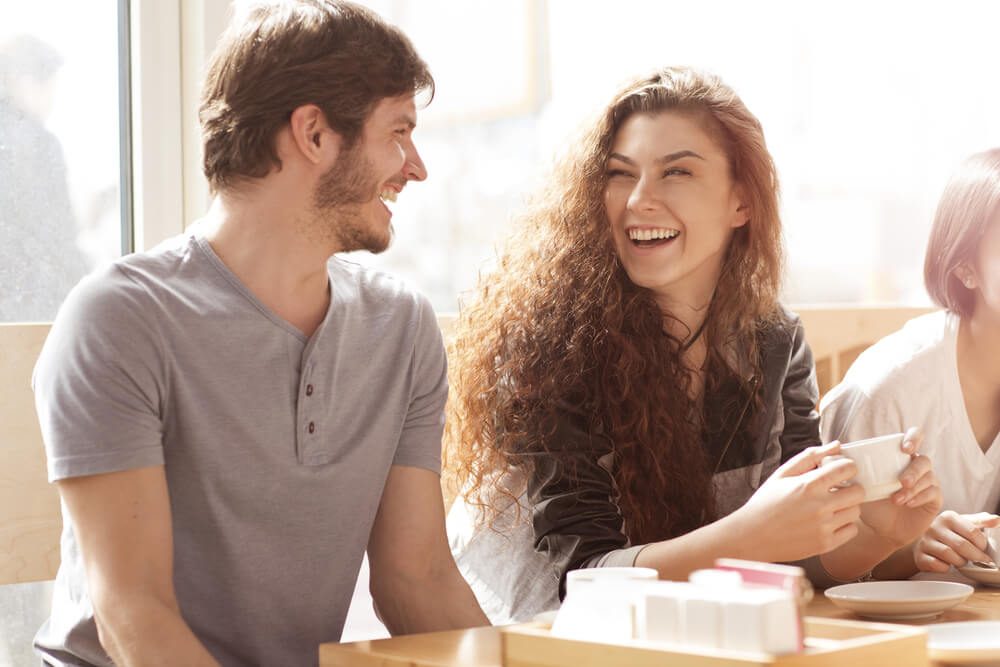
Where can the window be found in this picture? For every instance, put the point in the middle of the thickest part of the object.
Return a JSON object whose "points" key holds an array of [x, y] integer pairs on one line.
{"points": [[60, 152], [866, 106]]}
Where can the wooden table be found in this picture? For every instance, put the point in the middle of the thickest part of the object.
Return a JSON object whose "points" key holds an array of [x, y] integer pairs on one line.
{"points": [[480, 647]]}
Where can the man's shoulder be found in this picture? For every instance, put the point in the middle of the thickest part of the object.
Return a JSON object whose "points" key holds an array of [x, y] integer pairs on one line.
{"points": [[375, 304], [160, 262], [128, 284], [373, 289]]}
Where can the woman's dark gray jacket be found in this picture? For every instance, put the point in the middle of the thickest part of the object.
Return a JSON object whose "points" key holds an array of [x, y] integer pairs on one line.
{"points": [[564, 522]]}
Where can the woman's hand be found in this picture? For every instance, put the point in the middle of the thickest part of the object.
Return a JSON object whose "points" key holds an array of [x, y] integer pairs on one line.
{"points": [[954, 539], [905, 515], [802, 509]]}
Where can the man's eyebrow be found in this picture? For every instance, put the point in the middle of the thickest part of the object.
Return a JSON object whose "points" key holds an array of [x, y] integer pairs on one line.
{"points": [[669, 157], [406, 119]]}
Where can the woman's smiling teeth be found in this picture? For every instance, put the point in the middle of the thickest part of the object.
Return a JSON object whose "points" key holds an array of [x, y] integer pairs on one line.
{"points": [[388, 195], [637, 235]]}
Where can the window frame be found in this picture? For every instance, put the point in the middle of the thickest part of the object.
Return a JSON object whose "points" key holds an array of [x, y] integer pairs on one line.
{"points": [[171, 43], [157, 157]]}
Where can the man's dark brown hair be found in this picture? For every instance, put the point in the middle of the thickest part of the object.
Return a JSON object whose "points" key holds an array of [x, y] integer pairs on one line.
{"points": [[285, 54]]}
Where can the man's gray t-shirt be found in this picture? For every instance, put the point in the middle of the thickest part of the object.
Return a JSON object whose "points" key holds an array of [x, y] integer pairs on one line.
{"points": [[276, 446]]}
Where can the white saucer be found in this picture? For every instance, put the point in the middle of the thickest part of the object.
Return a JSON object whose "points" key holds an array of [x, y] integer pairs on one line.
{"points": [[968, 641], [899, 600], [982, 575]]}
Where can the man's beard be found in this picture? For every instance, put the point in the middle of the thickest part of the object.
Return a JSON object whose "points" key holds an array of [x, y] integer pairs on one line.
{"points": [[340, 198]]}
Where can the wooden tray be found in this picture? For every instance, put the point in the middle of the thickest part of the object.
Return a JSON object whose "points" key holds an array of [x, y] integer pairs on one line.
{"points": [[829, 643]]}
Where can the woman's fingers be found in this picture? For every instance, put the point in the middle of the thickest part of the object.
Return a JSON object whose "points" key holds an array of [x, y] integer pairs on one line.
{"points": [[926, 481], [942, 552], [834, 472], [845, 515], [926, 561], [808, 459], [845, 497], [929, 495], [962, 545], [966, 527], [915, 478], [984, 520], [919, 469], [912, 440], [842, 536]]}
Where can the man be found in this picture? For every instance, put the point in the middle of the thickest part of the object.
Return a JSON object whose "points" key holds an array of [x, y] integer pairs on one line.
{"points": [[230, 418]]}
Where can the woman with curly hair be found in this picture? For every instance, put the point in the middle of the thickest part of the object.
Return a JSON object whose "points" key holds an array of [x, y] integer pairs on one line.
{"points": [[625, 381]]}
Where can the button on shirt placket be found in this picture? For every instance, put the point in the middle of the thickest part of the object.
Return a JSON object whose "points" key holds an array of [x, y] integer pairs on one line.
{"points": [[308, 411]]}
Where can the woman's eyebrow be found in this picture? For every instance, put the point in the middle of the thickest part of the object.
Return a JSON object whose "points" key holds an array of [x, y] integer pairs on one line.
{"points": [[669, 157]]}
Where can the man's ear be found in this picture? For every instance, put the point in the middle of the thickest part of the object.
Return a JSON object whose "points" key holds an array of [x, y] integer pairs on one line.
{"points": [[312, 135]]}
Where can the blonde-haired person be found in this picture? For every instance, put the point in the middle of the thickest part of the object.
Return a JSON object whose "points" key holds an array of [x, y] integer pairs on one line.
{"points": [[942, 370], [626, 388]]}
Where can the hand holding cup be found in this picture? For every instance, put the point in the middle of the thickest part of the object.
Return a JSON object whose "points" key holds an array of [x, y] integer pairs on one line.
{"points": [[804, 508], [900, 511]]}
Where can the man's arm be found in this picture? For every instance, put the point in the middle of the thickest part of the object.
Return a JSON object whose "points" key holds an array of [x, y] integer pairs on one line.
{"points": [[415, 584], [123, 525]]}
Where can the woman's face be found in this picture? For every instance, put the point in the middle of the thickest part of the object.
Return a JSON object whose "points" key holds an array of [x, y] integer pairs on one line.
{"points": [[985, 275], [672, 206]]}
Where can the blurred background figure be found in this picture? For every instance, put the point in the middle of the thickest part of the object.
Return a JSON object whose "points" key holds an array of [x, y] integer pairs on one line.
{"points": [[39, 257]]}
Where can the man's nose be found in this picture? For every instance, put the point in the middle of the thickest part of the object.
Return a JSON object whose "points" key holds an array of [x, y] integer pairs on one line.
{"points": [[413, 168]]}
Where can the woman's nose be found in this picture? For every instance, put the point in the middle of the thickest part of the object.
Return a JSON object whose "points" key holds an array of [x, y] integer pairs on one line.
{"points": [[643, 197]]}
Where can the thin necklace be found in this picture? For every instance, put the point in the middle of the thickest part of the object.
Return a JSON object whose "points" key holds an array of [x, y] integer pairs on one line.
{"points": [[695, 336]]}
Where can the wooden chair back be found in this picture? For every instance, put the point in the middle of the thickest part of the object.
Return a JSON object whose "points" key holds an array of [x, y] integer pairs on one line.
{"points": [[30, 519], [837, 335]]}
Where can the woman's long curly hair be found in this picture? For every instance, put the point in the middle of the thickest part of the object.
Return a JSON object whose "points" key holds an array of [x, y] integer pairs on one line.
{"points": [[560, 322]]}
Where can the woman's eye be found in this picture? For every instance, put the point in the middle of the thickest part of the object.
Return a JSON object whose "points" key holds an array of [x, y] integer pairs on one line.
{"points": [[616, 173], [676, 171]]}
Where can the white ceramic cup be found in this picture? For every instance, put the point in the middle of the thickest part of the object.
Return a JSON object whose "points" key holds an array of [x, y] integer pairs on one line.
{"points": [[880, 462], [577, 578]]}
